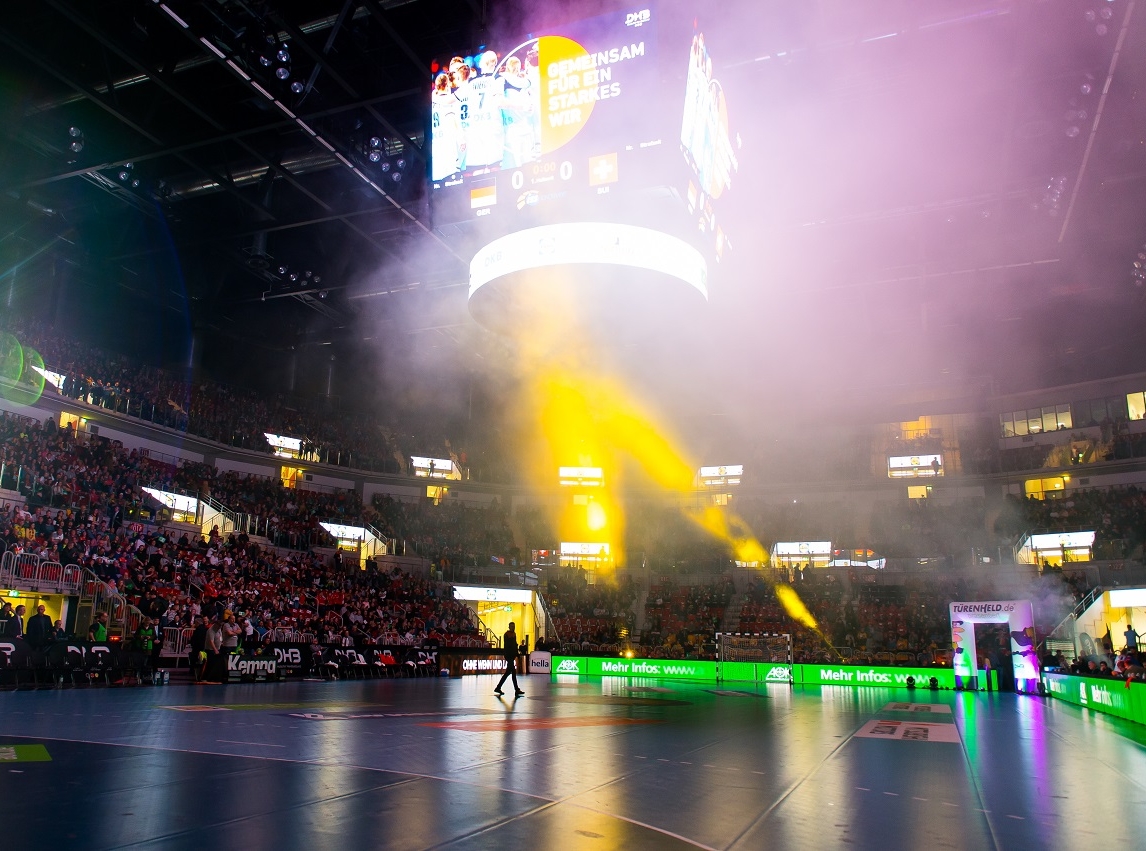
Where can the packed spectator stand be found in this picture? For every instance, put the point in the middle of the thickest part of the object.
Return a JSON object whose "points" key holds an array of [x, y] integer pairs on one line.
{"points": [[86, 512], [84, 508], [590, 618]]}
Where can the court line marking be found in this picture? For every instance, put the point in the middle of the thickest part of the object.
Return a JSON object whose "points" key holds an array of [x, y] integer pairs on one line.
{"points": [[407, 776], [256, 744], [796, 784]]}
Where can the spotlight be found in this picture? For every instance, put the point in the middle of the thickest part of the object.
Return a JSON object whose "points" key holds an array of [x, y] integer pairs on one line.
{"points": [[76, 146], [374, 156], [124, 175], [1085, 88], [282, 270], [401, 163], [294, 276], [282, 73], [282, 56], [396, 177], [135, 183], [270, 38], [375, 142], [911, 682], [264, 61], [1072, 131], [1042, 689], [323, 294], [308, 274], [385, 166], [933, 684], [75, 132], [297, 87], [317, 279]]}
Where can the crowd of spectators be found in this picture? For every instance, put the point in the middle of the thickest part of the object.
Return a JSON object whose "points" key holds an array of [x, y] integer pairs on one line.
{"points": [[226, 414], [681, 621], [268, 590], [84, 497], [1113, 514], [451, 535], [58, 468], [81, 493], [599, 614], [905, 624], [1104, 661]]}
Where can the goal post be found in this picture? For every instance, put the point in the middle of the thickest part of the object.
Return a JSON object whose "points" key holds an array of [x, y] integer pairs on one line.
{"points": [[770, 652]]}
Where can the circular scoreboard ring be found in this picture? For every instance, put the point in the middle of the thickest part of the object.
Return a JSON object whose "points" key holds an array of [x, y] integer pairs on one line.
{"points": [[599, 273]]}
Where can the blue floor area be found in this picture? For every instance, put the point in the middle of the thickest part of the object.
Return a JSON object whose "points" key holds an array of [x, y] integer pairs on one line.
{"points": [[593, 764]]}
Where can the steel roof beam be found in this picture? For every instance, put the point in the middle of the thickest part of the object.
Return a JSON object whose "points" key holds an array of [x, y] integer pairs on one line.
{"points": [[18, 47], [79, 20]]}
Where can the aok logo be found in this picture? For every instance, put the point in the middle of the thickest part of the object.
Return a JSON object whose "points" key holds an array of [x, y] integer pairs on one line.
{"points": [[569, 666], [637, 19], [778, 674]]}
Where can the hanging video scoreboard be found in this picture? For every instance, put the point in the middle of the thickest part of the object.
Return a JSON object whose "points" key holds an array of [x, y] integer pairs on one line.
{"points": [[602, 119]]}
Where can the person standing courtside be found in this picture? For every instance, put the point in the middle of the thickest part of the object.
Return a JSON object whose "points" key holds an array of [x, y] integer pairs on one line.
{"points": [[39, 630], [509, 649], [15, 626]]}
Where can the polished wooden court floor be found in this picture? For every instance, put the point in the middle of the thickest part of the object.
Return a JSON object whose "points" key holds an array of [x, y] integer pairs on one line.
{"points": [[574, 764]]}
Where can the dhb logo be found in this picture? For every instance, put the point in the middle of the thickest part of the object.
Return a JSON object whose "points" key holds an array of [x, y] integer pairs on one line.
{"points": [[288, 655], [637, 19], [569, 666]]}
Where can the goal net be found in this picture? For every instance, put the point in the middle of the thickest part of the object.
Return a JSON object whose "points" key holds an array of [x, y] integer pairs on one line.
{"points": [[754, 647]]}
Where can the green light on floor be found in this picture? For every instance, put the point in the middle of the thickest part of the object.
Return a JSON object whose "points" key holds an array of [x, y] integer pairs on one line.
{"points": [[24, 753]]}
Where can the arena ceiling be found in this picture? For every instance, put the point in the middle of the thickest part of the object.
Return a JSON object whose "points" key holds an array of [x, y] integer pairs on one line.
{"points": [[928, 193]]}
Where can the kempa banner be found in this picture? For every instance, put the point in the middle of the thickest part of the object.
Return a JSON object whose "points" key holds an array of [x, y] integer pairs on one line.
{"points": [[250, 666], [703, 671]]}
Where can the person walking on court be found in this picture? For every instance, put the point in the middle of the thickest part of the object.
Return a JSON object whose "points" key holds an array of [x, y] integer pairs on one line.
{"points": [[509, 650]]}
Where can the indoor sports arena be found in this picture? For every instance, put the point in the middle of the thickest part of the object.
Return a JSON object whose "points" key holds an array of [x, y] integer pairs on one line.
{"points": [[573, 425]]}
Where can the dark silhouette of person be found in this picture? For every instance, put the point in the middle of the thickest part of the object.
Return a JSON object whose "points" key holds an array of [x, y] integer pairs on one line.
{"points": [[39, 630], [509, 650]]}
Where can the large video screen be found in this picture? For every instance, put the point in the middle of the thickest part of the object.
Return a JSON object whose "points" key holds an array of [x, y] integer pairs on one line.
{"points": [[707, 142], [553, 127], [564, 110]]}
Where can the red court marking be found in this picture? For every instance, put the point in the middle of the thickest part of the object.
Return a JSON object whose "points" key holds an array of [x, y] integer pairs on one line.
{"points": [[535, 723]]}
